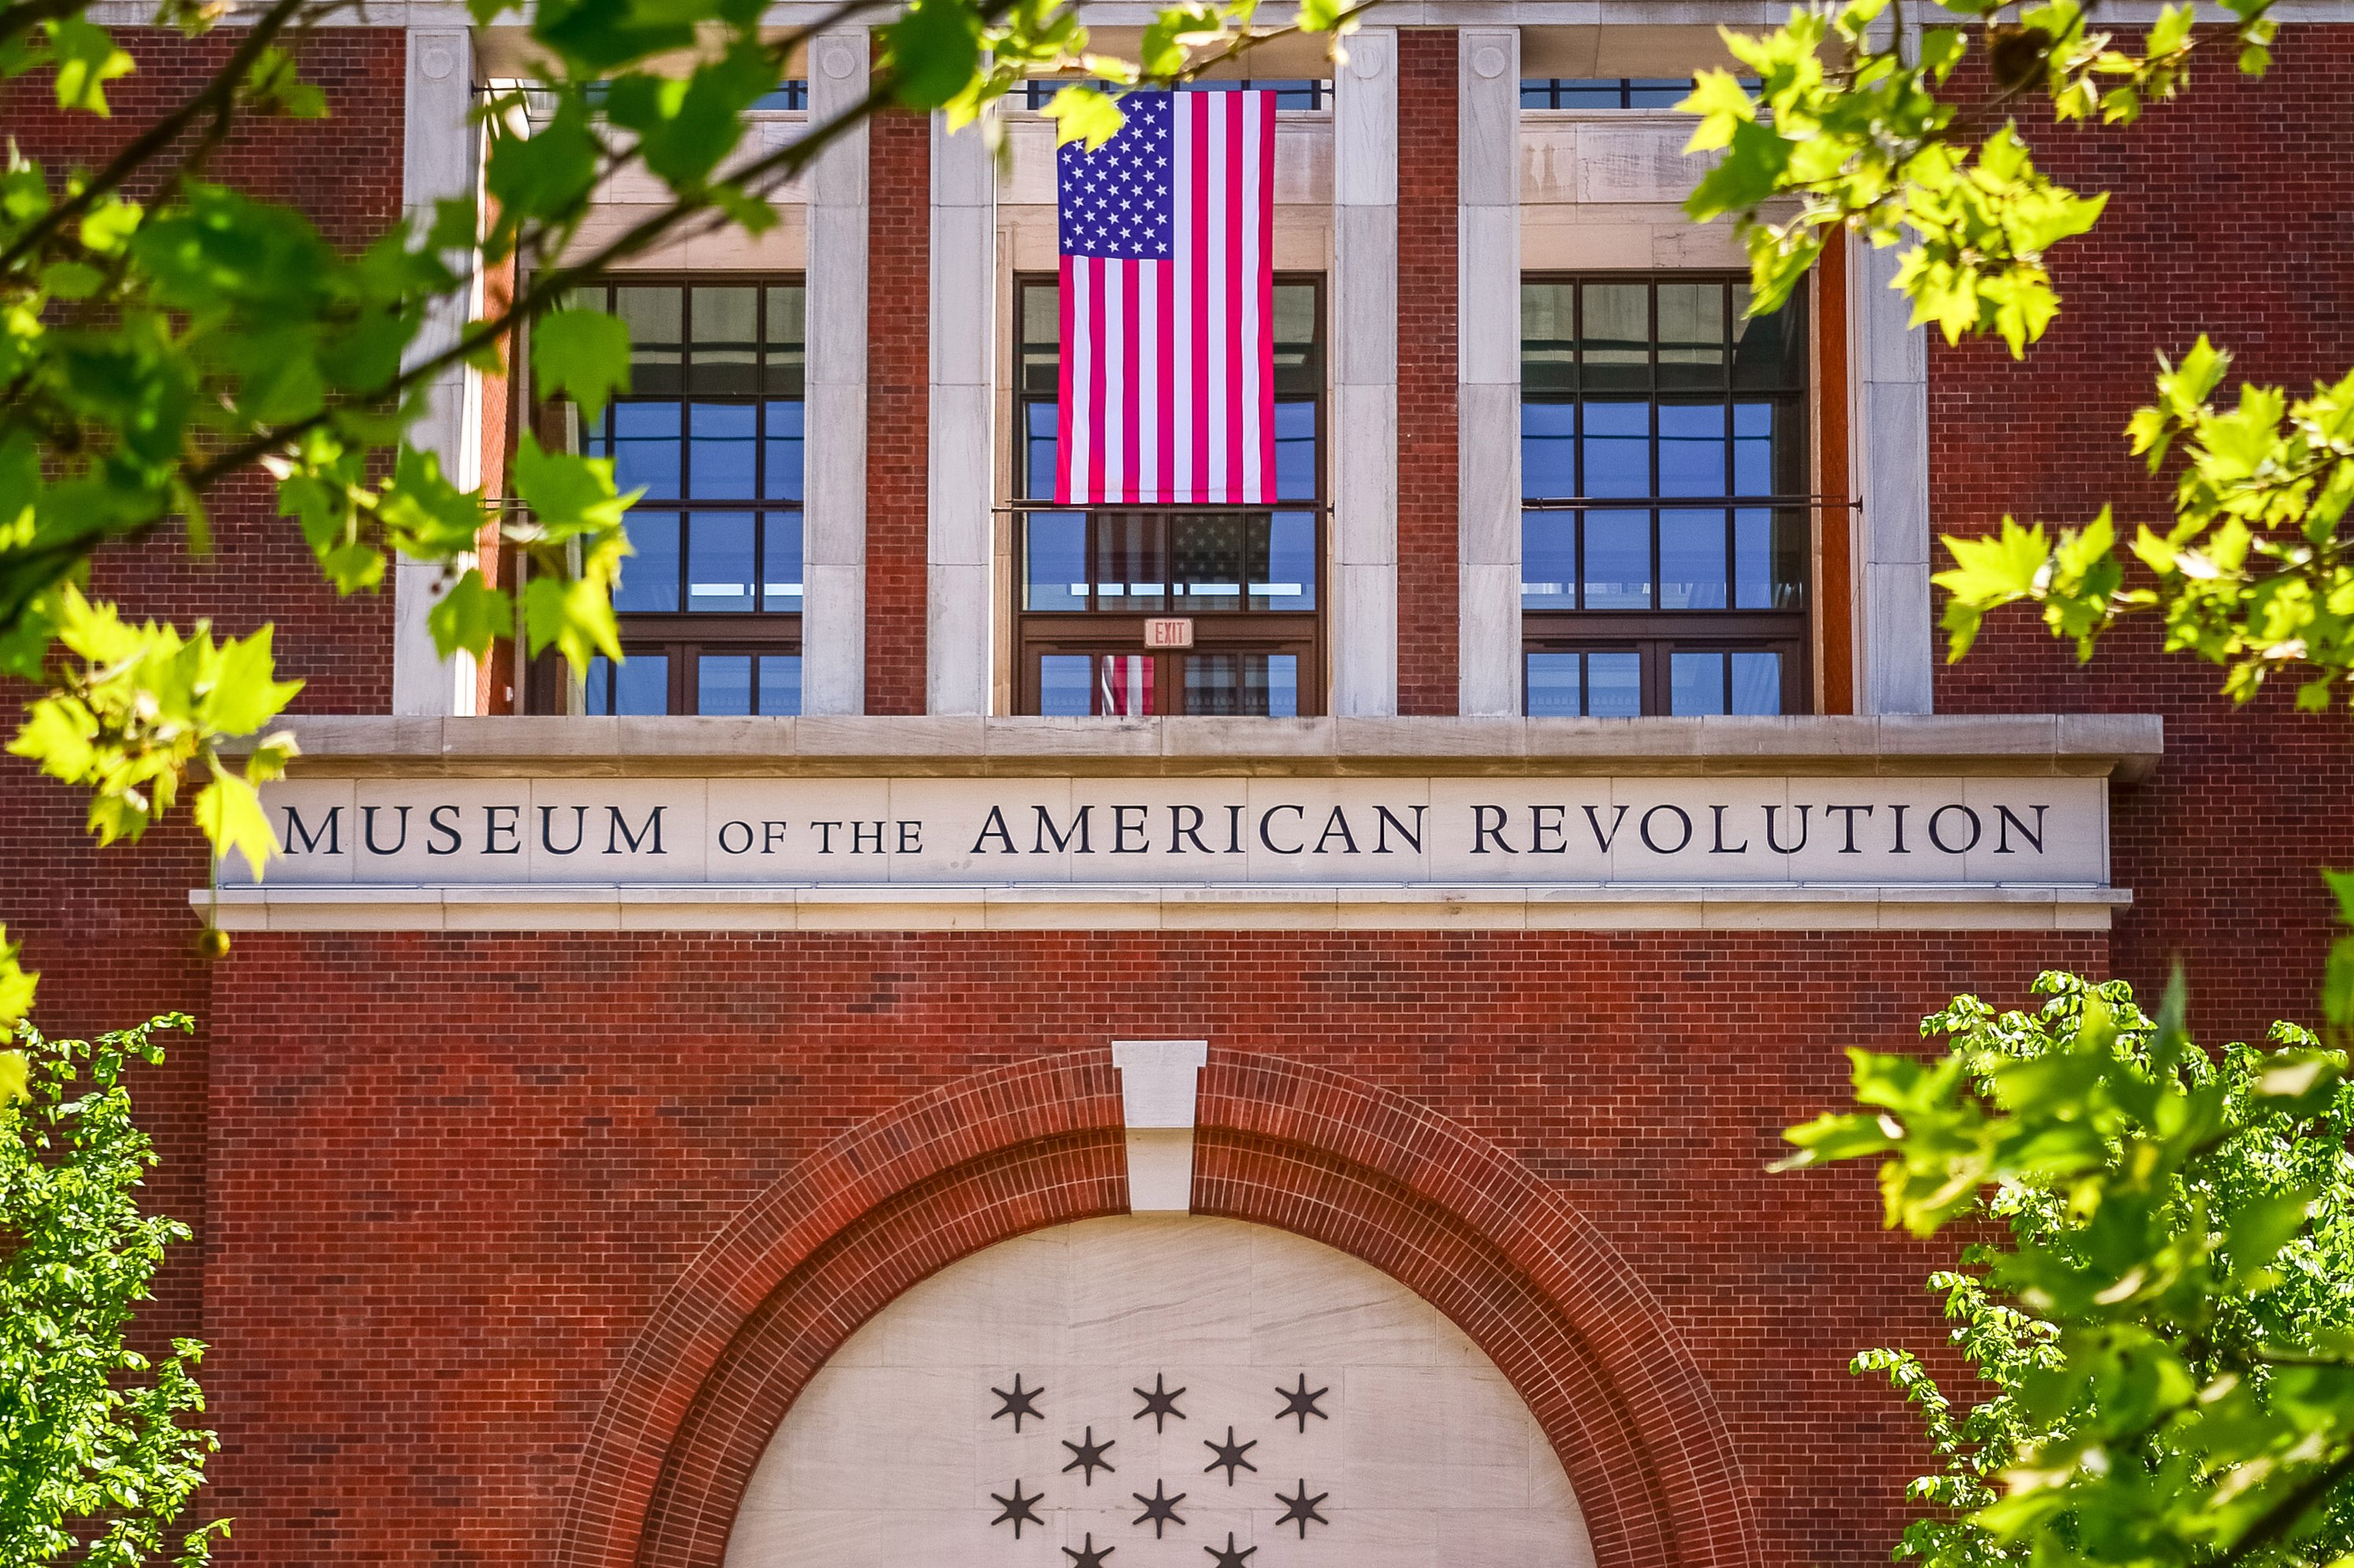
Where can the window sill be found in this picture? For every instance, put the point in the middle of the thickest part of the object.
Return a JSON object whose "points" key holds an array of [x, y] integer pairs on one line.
{"points": [[2124, 747]]}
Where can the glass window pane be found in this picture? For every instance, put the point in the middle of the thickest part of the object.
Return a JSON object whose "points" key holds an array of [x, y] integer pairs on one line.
{"points": [[1548, 335], [1284, 577], [1756, 683], [1124, 684], [597, 689], [1054, 552], [723, 684], [1614, 347], [1694, 456], [1753, 561], [1753, 448], [780, 478], [1039, 443], [1615, 449], [1792, 546], [649, 577], [1658, 93], [1206, 555], [1299, 358], [723, 438], [1691, 334], [1295, 452], [1617, 573], [1129, 571], [1768, 351], [785, 357], [1691, 560], [1696, 682], [780, 563], [1554, 686], [1041, 333], [720, 561], [646, 449], [1066, 684], [1243, 686], [1549, 561], [641, 684], [724, 356], [1614, 685], [780, 685], [656, 319], [1548, 451]]}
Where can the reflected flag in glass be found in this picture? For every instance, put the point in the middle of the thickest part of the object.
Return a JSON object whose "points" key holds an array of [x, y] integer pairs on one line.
{"points": [[1167, 243]]}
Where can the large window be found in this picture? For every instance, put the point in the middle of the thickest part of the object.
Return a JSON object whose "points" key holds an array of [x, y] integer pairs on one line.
{"points": [[711, 427], [1245, 581], [1665, 531]]}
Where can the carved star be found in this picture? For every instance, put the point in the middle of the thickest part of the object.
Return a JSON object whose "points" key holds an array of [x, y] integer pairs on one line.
{"points": [[1230, 1558], [1023, 1402], [1090, 1454], [1161, 1402], [1017, 1509], [1229, 1456], [1300, 1510], [1300, 1403], [1088, 1555], [1160, 1509]]}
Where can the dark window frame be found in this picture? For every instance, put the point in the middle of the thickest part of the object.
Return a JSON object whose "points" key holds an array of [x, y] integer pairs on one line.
{"points": [[684, 636], [1657, 633], [1098, 631]]}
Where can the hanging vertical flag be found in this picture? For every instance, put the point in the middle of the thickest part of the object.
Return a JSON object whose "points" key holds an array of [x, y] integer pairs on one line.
{"points": [[1167, 234]]}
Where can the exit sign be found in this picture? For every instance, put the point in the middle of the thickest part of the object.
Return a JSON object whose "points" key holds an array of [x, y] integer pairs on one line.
{"points": [[1169, 631]]}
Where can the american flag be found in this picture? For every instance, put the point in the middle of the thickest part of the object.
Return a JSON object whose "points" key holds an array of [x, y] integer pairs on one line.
{"points": [[1168, 234]]}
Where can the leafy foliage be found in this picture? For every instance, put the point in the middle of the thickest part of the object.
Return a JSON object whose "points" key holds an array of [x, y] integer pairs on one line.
{"points": [[97, 1460], [1854, 127], [2169, 1328]]}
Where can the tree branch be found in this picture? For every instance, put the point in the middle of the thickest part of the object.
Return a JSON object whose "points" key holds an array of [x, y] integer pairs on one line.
{"points": [[2283, 1516]]}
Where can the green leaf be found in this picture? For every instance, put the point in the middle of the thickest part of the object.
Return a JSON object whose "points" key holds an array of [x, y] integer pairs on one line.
{"points": [[86, 61], [584, 354], [229, 813], [576, 617], [15, 1071], [470, 616], [931, 51], [1084, 114]]}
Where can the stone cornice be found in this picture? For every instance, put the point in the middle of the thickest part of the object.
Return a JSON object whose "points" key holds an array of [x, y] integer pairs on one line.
{"points": [[2124, 747]]}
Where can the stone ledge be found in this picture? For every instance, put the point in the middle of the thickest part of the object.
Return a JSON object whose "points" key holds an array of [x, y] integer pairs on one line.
{"points": [[2124, 746], [1119, 907]]}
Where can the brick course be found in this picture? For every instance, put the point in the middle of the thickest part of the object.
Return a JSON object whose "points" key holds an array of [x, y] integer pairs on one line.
{"points": [[1428, 606], [898, 408]]}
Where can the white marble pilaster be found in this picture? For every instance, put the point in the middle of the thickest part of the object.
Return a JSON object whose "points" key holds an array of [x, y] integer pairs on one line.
{"points": [[1889, 425], [964, 360], [1363, 597], [1488, 370], [441, 158], [1160, 1083], [833, 617]]}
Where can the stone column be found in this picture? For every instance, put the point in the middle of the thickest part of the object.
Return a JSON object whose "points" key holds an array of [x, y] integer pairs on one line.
{"points": [[1487, 366], [833, 613], [1364, 591], [439, 158], [963, 362], [1890, 439]]}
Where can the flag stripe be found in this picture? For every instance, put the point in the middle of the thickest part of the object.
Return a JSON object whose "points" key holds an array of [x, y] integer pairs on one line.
{"points": [[1168, 293]]}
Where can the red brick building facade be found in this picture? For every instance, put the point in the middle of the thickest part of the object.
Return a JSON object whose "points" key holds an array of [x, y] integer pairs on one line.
{"points": [[527, 1209]]}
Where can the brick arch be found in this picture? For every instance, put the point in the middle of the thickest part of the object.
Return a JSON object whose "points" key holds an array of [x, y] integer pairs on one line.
{"points": [[1038, 1143]]}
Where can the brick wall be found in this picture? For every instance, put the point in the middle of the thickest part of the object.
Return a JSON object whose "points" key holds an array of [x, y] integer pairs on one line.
{"points": [[898, 408], [1428, 606], [2214, 224], [492, 1199]]}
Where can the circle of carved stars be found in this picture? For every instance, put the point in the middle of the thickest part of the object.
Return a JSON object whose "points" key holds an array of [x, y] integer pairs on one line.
{"points": [[1229, 1456], [1296, 1401], [1228, 1557], [1160, 1509], [1087, 1457], [1017, 1509], [1020, 1403], [1296, 1510], [1088, 1555], [1161, 1402]]}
